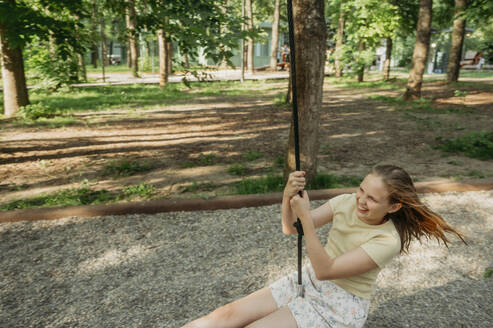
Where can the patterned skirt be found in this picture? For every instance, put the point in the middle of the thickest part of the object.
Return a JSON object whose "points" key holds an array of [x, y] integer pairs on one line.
{"points": [[325, 304]]}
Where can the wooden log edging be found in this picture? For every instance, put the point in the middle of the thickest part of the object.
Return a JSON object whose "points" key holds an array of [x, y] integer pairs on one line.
{"points": [[226, 202]]}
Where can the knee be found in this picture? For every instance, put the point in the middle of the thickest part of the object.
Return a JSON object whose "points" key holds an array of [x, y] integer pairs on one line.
{"points": [[223, 314]]}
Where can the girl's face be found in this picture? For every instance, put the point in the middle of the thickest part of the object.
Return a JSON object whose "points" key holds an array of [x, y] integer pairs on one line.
{"points": [[372, 200]]}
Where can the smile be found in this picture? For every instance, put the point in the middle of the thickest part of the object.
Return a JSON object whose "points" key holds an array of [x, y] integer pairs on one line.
{"points": [[362, 211]]}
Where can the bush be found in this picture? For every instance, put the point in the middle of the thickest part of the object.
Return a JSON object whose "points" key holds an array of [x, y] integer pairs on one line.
{"points": [[474, 144], [35, 111]]}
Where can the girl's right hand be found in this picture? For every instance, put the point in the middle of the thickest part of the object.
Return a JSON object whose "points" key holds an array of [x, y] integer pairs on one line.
{"points": [[296, 183]]}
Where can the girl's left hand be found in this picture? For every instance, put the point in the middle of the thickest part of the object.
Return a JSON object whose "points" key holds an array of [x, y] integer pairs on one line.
{"points": [[300, 205]]}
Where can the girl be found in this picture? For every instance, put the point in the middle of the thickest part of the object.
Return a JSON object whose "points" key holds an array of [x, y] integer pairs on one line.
{"points": [[369, 229]]}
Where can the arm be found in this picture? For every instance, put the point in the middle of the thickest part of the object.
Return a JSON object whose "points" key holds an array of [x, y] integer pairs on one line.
{"points": [[352, 263], [320, 216]]}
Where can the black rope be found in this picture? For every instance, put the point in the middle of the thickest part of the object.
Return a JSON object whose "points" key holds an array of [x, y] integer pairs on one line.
{"points": [[292, 70]]}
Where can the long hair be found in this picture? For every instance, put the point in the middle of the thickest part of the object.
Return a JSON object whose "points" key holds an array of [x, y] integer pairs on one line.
{"points": [[413, 219]]}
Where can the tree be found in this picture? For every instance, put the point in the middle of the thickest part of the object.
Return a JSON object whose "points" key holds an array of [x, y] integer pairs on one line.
{"points": [[130, 18], [20, 22], [14, 81], [420, 54], [249, 14], [310, 45], [339, 44], [275, 36], [458, 31]]}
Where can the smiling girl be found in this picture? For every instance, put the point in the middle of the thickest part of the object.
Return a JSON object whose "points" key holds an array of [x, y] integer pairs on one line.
{"points": [[369, 228]]}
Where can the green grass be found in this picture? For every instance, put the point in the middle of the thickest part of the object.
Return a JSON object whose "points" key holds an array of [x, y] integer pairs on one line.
{"points": [[125, 168], [143, 190], [419, 105], [473, 144], [237, 169], [276, 183], [51, 106], [83, 195], [68, 197], [252, 155], [349, 82]]}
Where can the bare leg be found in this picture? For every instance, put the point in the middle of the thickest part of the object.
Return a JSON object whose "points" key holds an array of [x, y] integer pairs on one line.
{"points": [[282, 318], [239, 313]]}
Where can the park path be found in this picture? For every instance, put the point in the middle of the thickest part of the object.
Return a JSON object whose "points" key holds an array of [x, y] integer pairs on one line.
{"points": [[118, 78]]}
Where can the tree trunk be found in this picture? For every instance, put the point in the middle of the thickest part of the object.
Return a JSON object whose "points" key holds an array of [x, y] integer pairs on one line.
{"points": [[361, 66], [163, 60], [249, 14], [420, 54], [388, 55], [82, 66], [187, 60], [131, 25], [129, 56], [94, 46], [169, 50], [310, 44], [275, 37], [14, 79], [104, 46], [339, 44], [453, 68]]}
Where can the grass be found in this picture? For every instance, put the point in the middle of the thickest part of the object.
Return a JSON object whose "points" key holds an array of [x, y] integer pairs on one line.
{"points": [[421, 105], [83, 195], [276, 183], [68, 197], [54, 109], [143, 190], [252, 155], [125, 168], [473, 144], [237, 169]]}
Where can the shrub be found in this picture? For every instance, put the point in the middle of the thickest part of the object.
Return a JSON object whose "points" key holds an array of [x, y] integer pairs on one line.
{"points": [[35, 111]]}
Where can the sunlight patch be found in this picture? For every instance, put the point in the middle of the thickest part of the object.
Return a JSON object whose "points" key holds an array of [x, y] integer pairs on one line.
{"points": [[113, 258]]}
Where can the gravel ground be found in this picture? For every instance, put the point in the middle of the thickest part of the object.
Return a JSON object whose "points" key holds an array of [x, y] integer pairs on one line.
{"points": [[163, 270]]}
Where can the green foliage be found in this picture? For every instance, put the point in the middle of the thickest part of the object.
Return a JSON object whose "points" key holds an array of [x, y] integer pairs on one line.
{"points": [[143, 190], [252, 155], [49, 70], [35, 111], [125, 168], [488, 272], [276, 183], [68, 197], [270, 183], [324, 181], [473, 144], [206, 159], [279, 162], [237, 169]]}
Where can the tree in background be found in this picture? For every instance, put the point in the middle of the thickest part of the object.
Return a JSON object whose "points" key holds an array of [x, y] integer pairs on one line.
{"points": [[275, 36], [131, 20], [310, 44], [458, 32], [250, 44], [42, 21], [420, 54]]}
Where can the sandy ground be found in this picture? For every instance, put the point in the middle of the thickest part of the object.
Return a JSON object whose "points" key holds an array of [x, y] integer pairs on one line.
{"points": [[163, 270]]}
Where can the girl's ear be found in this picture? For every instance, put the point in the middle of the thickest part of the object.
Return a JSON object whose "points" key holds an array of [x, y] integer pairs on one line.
{"points": [[395, 207]]}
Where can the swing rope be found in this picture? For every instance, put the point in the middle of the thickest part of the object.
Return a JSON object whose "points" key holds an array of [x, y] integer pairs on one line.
{"points": [[292, 70]]}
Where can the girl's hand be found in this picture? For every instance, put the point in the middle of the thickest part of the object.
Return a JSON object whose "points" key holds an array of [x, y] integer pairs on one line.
{"points": [[301, 205], [296, 183]]}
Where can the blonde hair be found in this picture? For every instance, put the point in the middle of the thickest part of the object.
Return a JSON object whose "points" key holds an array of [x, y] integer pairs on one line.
{"points": [[413, 219]]}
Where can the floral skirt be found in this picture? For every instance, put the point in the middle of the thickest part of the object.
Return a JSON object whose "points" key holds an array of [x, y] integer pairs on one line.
{"points": [[325, 304]]}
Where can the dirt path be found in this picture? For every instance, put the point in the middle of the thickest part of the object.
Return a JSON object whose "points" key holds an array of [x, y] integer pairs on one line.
{"points": [[194, 144]]}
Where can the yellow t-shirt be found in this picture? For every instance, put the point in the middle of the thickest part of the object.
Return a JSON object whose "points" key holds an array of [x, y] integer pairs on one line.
{"points": [[380, 242]]}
